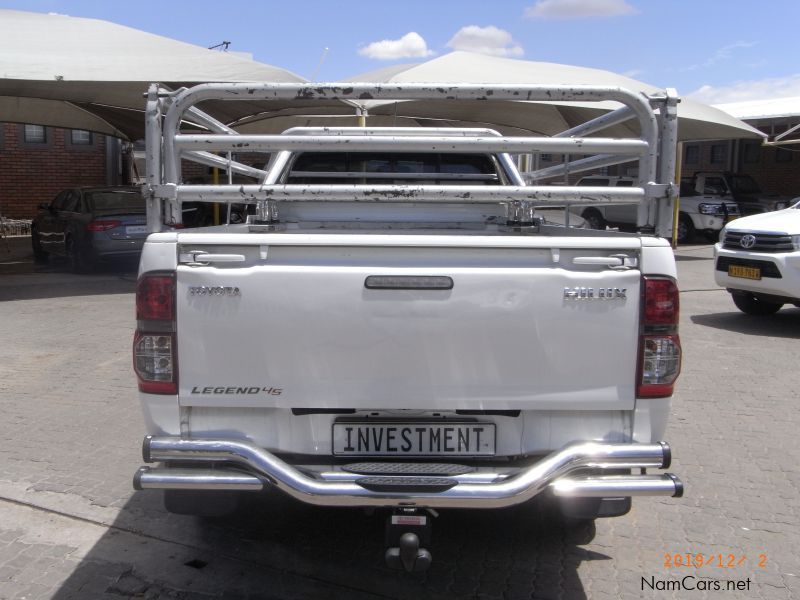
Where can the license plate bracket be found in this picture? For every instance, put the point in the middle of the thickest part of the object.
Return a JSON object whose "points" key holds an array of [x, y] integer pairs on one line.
{"points": [[413, 438]]}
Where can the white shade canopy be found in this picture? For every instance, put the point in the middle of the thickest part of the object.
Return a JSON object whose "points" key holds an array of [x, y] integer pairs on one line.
{"points": [[696, 121], [91, 74]]}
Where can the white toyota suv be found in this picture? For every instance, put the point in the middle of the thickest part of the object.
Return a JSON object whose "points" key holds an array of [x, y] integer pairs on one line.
{"points": [[758, 261], [698, 214]]}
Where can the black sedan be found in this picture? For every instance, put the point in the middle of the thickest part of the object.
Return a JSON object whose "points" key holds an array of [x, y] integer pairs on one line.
{"points": [[91, 224]]}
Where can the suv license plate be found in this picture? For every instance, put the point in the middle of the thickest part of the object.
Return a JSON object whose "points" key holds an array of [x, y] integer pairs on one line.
{"points": [[744, 272], [413, 439]]}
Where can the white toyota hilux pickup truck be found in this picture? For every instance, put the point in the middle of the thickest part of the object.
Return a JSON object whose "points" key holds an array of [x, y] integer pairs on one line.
{"points": [[394, 326], [758, 261]]}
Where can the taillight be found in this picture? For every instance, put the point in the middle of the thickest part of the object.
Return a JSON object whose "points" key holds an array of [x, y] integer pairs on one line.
{"points": [[659, 343], [155, 297], [154, 362], [102, 225], [154, 344]]}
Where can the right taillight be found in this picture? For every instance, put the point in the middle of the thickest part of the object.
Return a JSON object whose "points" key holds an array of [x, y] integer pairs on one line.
{"points": [[154, 345], [659, 343]]}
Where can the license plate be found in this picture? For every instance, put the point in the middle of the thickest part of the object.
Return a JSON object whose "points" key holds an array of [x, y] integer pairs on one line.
{"points": [[413, 439], [131, 229], [744, 272]]}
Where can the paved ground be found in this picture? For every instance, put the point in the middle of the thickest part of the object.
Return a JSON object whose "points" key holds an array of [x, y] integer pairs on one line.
{"points": [[71, 527]]}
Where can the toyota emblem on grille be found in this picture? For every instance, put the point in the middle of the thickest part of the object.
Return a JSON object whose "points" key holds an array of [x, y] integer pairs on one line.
{"points": [[747, 241]]}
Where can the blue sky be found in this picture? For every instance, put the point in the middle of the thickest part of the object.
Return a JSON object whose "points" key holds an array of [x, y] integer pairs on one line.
{"points": [[713, 50]]}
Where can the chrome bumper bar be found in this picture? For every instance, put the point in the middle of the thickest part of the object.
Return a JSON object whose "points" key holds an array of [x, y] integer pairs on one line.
{"points": [[246, 466]]}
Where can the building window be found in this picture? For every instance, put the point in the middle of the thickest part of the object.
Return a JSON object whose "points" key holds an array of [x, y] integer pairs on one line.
{"points": [[717, 154], [79, 137], [782, 155], [546, 157], [35, 134], [691, 155], [751, 153]]}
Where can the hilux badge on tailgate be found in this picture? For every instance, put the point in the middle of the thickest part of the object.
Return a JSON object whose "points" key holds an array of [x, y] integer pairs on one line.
{"points": [[587, 293]]}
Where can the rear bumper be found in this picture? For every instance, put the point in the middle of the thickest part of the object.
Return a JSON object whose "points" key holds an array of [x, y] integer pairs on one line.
{"points": [[242, 465]]}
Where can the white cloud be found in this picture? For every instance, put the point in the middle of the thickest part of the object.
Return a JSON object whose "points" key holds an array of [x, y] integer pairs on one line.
{"points": [[723, 54], [411, 45], [485, 40], [741, 91], [578, 9]]}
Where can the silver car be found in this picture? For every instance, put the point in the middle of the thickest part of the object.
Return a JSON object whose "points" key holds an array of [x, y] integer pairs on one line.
{"points": [[91, 224]]}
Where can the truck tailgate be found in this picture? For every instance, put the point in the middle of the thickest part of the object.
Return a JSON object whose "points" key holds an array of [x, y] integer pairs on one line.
{"points": [[507, 325]]}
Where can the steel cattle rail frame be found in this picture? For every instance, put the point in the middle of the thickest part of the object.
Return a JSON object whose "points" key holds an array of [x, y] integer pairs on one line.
{"points": [[654, 149]]}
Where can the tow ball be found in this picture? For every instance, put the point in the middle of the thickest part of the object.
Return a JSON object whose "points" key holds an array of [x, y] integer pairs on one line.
{"points": [[407, 531]]}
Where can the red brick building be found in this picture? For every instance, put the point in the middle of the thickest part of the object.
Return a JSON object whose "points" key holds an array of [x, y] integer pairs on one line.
{"points": [[37, 162]]}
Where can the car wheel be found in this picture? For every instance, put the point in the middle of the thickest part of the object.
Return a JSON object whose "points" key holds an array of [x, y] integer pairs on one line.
{"points": [[593, 218], [79, 260], [39, 255], [749, 304], [685, 229]]}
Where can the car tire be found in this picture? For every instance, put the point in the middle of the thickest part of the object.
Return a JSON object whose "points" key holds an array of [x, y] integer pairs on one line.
{"points": [[39, 255], [79, 260], [685, 229], [750, 305], [593, 218]]}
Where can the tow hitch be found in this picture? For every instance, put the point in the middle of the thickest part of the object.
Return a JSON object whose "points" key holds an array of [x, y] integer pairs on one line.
{"points": [[407, 531]]}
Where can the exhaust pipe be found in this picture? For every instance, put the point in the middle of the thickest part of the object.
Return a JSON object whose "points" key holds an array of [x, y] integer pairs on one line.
{"points": [[263, 468], [610, 486], [195, 479]]}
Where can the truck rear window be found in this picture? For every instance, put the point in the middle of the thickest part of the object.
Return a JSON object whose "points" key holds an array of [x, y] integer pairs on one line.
{"points": [[394, 168]]}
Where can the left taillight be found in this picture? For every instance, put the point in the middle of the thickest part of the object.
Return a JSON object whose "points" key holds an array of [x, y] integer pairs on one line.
{"points": [[659, 343], [154, 344]]}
